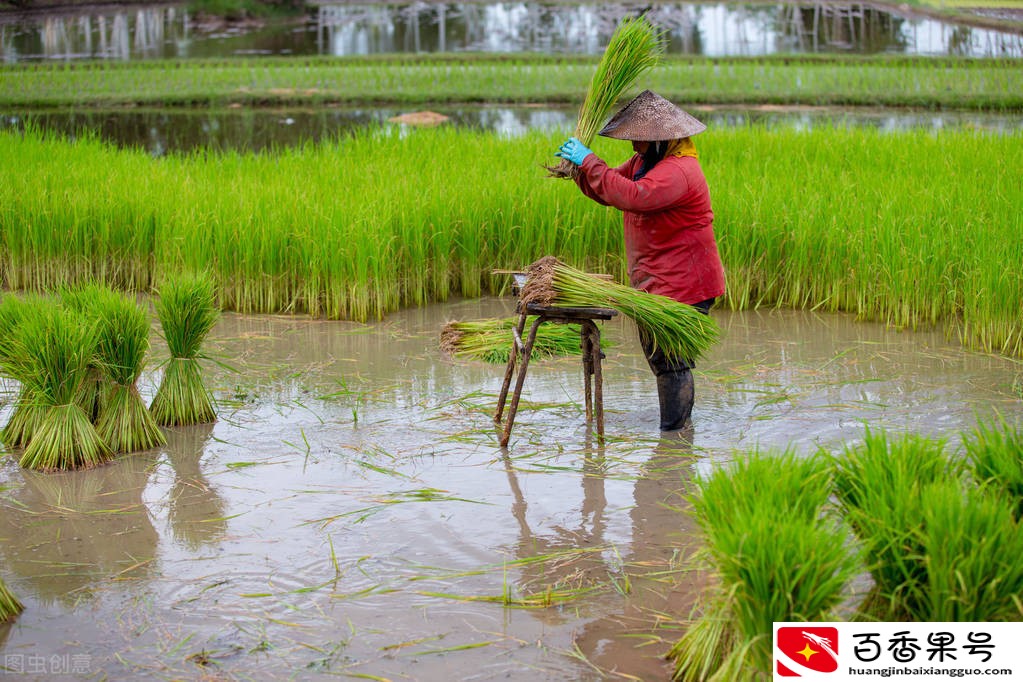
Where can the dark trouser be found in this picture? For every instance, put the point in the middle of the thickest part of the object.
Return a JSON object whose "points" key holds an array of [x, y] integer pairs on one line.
{"points": [[675, 390]]}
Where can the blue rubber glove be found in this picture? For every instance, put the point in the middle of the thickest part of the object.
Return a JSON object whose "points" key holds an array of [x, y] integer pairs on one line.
{"points": [[573, 150]]}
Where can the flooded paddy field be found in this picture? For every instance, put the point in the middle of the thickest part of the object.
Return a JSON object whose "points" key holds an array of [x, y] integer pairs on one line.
{"points": [[351, 514]]}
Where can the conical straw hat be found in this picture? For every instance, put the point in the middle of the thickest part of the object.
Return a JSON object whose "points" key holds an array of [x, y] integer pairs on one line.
{"points": [[650, 118]]}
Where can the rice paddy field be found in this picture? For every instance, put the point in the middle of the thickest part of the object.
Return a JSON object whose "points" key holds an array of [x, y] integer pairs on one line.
{"points": [[343, 508]]}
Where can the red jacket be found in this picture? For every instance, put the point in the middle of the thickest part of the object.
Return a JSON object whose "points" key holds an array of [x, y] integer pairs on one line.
{"points": [[669, 231]]}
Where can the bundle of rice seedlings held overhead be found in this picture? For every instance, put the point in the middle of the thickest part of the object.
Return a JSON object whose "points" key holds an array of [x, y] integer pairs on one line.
{"points": [[681, 331], [187, 311], [491, 340], [122, 343], [54, 347], [28, 412], [634, 47], [9, 604]]}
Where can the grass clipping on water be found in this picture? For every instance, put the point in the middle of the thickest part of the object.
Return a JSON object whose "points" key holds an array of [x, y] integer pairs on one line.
{"points": [[681, 331], [634, 47], [187, 311], [491, 340]]}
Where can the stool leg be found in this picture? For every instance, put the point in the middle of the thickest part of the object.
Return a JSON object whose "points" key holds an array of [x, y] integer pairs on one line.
{"points": [[587, 352], [598, 381], [527, 351], [509, 370]]}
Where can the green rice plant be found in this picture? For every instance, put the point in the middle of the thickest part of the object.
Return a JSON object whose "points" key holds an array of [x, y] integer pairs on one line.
{"points": [[491, 340], [56, 346], [775, 554], [187, 311], [28, 412], [635, 47], [122, 342], [972, 543], [9, 604], [878, 486], [680, 330], [994, 455], [85, 299]]}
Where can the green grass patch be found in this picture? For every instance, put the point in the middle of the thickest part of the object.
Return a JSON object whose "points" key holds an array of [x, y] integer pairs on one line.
{"points": [[909, 228], [958, 83]]}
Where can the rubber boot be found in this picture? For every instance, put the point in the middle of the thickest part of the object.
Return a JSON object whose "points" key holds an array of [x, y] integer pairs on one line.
{"points": [[676, 393]]}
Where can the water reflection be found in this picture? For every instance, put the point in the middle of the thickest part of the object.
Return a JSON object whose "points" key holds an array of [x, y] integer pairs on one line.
{"points": [[713, 29], [162, 131]]}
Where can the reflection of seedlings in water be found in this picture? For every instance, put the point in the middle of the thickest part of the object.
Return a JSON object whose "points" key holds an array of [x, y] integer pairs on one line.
{"points": [[195, 509]]}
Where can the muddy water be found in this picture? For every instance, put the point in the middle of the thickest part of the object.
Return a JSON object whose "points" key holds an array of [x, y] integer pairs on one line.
{"points": [[352, 514]]}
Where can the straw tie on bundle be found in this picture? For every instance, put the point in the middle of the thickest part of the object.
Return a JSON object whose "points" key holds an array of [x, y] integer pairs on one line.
{"points": [[680, 330], [635, 47]]}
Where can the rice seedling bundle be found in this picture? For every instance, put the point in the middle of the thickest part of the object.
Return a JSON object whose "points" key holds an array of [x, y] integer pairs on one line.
{"points": [[679, 330], [635, 47], [878, 485], [57, 345], [9, 604], [122, 343], [187, 312], [28, 412], [972, 543], [994, 455], [491, 340], [774, 556]]}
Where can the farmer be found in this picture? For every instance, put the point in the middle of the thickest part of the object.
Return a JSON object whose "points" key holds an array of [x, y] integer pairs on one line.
{"points": [[669, 232]]}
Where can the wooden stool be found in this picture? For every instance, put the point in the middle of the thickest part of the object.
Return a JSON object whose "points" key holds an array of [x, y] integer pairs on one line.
{"points": [[589, 336]]}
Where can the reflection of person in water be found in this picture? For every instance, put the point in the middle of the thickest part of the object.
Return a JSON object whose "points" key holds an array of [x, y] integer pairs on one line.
{"points": [[65, 532], [196, 511], [662, 539]]}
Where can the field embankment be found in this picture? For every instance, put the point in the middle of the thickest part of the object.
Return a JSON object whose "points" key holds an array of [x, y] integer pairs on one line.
{"points": [[990, 85], [909, 228]]}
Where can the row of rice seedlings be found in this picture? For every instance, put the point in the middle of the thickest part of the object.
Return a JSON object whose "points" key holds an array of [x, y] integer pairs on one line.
{"points": [[679, 330], [775, 555], [941, 535], [783, 79], [187, 311], [829, 218], [490, 340], [937, 533], [9, 604]]}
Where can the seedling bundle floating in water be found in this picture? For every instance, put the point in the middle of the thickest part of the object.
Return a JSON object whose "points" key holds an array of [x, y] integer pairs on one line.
{"points": [[679, 330], [187, 311], [635, 46]]}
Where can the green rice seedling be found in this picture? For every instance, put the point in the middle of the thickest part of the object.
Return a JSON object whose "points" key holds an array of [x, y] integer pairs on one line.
{"points": [[972, 543], [9, 604], [56, 346], [122, 343], [774, 555], [680, 330], [994, 454], [635, 47], [491, 340], [187, 310], [28, 412], [86, 299], [878, 487]]}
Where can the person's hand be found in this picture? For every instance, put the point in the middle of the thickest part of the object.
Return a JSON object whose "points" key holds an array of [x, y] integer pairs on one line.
{"points": [[574, 151]]}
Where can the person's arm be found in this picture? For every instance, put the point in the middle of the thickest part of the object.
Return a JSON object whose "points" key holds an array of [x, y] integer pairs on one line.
{"points": [[660, 188], [576, 152]]}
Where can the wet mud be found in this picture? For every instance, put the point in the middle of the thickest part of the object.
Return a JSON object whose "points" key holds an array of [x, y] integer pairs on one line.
{"points": [[351, 512]]}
